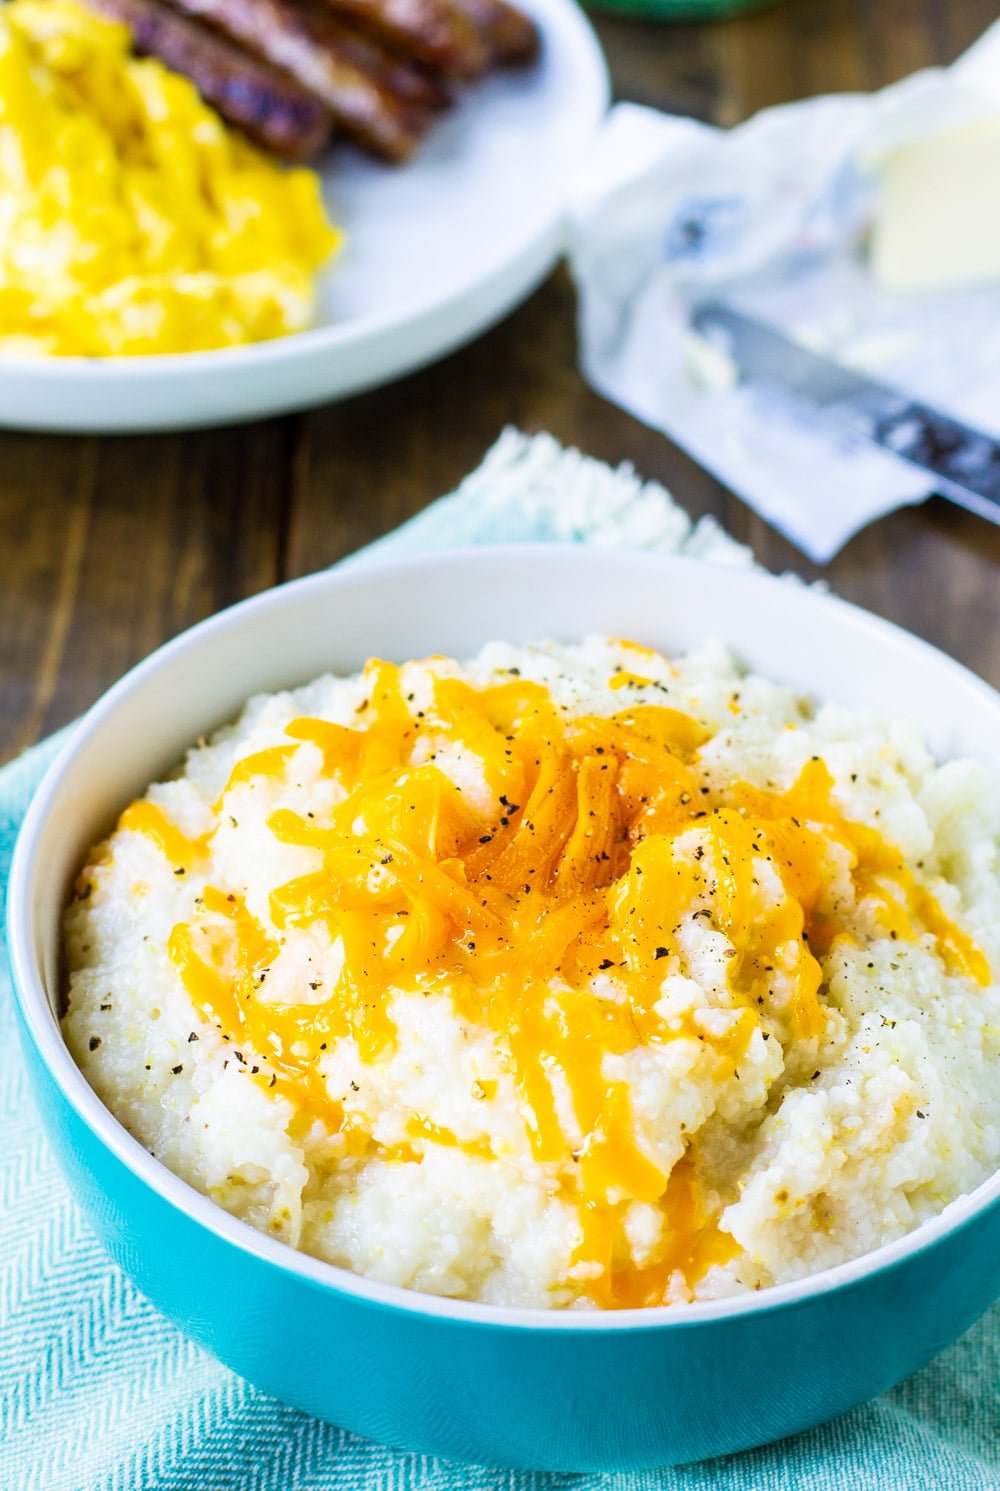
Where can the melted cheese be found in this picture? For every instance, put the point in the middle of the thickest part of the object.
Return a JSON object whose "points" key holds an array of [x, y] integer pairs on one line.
{"points": [[550, 915]]}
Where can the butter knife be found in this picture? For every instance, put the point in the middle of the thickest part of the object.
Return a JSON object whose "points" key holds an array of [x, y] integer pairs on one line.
{"points": [[964, 462]]}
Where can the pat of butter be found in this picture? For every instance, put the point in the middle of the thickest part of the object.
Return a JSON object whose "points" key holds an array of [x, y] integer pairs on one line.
{"points": [[938, 222]]}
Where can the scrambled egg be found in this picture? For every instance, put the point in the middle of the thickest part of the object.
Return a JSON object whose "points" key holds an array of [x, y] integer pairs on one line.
{"points": [[131, 219]]}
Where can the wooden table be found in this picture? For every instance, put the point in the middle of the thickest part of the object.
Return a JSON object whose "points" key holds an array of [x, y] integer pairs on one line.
{"points": [[113, 545]]}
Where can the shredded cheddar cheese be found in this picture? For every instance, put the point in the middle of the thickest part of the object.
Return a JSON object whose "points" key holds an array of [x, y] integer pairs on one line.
{"points": [[550, 911]]}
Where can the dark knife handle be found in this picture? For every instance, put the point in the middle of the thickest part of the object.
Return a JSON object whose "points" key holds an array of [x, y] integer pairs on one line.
{"points": [[963, 462], [960, 455]]}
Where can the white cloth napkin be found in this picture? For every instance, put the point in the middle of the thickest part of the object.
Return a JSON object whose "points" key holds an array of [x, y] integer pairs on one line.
{"points": [[771, 216]]}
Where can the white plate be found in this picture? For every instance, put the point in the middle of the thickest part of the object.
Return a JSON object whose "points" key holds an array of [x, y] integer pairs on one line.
{"points": [[437, 251]]}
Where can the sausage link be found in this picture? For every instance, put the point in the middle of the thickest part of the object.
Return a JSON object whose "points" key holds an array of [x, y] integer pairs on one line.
{"points": [[432, 31], [305, 41], [271, 108], [510, 36]]}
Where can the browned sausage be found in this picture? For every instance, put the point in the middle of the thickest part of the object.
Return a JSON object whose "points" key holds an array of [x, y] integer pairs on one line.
{"points": [[510, 36], [304, 40], [270, 107], [432, 31], [406, 78]]}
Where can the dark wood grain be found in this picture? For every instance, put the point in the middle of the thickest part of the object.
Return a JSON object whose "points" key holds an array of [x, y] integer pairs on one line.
{"points": [[114, 545], [932, 569]]}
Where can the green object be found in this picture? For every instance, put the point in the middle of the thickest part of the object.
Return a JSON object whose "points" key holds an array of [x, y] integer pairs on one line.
{"points": [[678, 10]]}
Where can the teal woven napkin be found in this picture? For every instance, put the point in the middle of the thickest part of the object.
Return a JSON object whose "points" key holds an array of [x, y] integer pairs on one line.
{"points": [[99, 1393]]}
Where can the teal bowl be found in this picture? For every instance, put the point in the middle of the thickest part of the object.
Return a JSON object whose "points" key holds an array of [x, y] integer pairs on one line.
{"points": [[568, 1391]]}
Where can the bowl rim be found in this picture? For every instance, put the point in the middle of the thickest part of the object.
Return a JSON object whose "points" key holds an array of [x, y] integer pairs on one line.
{"points": [[43, 1030]]}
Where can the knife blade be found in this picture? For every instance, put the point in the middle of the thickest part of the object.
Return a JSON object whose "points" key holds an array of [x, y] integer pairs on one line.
{"points": [[965, 462]]}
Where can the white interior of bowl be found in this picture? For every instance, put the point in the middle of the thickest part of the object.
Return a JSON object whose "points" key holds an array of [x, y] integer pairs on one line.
{"points": [[454, 603]]}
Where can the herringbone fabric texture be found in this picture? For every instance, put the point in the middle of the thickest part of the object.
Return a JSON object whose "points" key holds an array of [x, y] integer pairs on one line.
{"points": [[99, 1393]]}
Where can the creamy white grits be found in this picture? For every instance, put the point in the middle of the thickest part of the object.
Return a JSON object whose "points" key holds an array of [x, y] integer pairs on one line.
{"points": [[566, 976]]}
